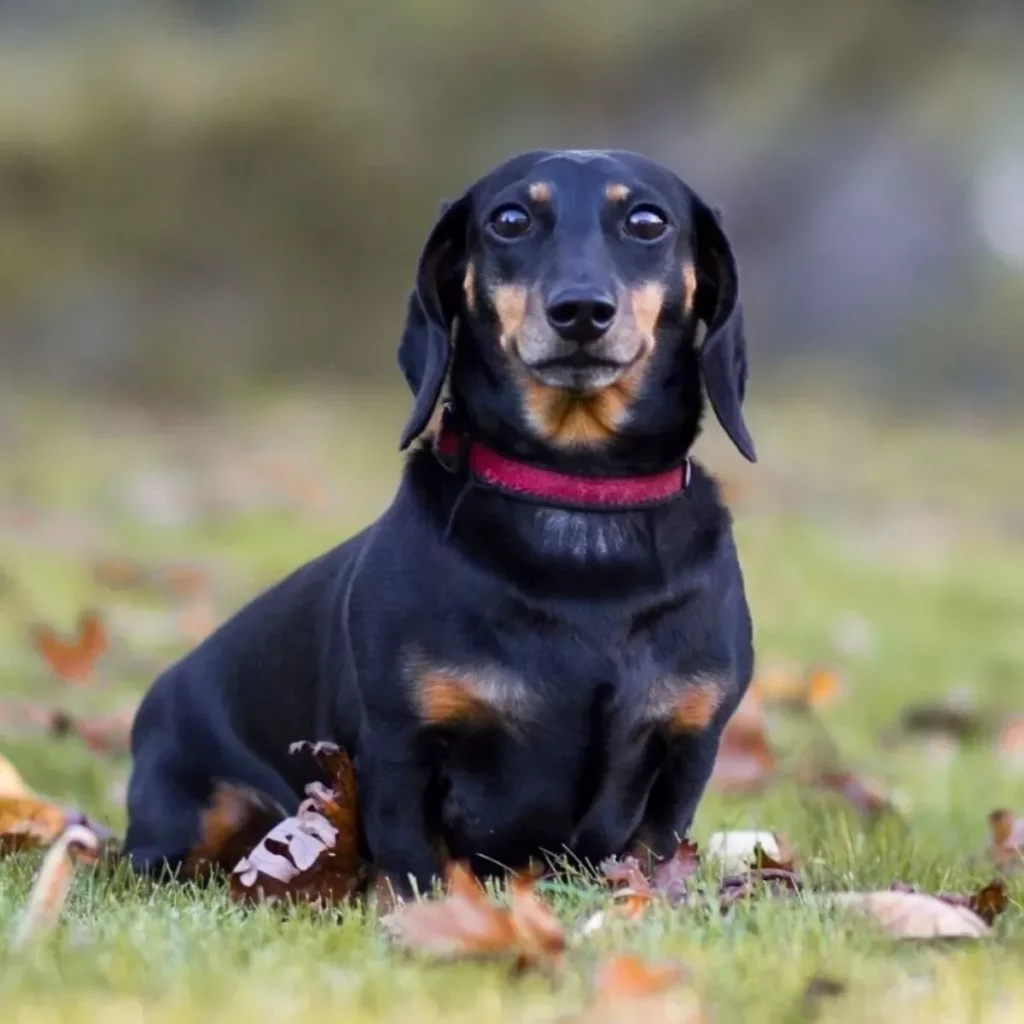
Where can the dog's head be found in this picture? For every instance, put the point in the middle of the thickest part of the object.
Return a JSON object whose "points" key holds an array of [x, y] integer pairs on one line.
{"points": [[563, 292]]}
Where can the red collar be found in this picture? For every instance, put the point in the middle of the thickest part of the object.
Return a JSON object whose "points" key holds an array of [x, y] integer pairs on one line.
{"points": [[550, 487]]}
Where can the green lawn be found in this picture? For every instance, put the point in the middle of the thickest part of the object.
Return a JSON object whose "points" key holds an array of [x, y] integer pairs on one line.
{"points": [[893, 553]]}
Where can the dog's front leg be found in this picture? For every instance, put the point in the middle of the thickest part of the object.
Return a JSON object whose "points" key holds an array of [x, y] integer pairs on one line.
{"points": [[394, 781], [677, 792]]}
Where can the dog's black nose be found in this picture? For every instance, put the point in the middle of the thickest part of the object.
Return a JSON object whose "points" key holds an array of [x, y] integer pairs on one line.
{"points": [[581, 314]]}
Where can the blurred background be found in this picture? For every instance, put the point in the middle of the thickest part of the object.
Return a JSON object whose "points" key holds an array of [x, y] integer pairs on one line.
{"points": [[210, 212], [197, 196]]}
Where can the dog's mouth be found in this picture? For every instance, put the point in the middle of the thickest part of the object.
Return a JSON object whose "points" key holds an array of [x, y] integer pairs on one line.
{"points": [[580, 372]]}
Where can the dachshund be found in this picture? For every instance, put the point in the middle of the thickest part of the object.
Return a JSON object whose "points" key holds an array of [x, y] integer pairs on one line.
{"points": [[534, 650]]}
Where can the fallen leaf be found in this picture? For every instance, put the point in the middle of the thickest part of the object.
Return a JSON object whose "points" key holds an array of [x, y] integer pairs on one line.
{"points": [[823, 686], [233, 825], [466, 923], [785, 683], [1007, 838], [745, 761], [906, 915], [988, 902], [742, 850], [626, 872], [340, 804], [312, 856], [627, 976], [196, 620], [669, 877], [11, 782], [77, 844], [27, 822], [1011, 741], [73, 661], [117, 572], [21, 717], [757, 882], [955, 718], [867, 798], [625, 986], [817, 991], [626, 905]]}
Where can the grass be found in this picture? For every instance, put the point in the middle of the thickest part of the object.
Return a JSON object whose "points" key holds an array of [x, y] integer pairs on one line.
{"points": [[907, 537]]}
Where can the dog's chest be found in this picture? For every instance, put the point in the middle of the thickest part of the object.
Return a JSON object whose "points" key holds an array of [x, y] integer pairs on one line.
{"points": [[562, 733]]}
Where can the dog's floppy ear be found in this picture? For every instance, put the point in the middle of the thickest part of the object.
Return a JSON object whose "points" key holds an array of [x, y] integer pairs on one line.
{"points": [[425, 349], [724, 353]]}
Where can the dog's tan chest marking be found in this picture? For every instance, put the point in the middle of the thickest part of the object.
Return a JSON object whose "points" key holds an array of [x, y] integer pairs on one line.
{"points": [[482, 696], [686, 705]]}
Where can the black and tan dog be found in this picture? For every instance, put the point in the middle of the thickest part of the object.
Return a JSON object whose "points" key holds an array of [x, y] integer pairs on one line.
{"points": [[536, 647]]}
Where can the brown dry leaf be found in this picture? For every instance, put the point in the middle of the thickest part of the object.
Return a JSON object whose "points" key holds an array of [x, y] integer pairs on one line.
{"points": [[196, 620], [311, 856], [1007, 838], [77, 844], [819, 989], [27, 822], [340, 804], [669, 878], [25, 717], [468, 924], [103, 734], [118, 572], [1011, 741], [951, 718], [232, 826], [625, 873], [988, 902], [907, 915], [74, 660], [11, 782], [823, 686], [787, 684], [625, 985], [629, 977], [757, 882], [743, 850], [294, 861], [745, 761], [867, 798]]}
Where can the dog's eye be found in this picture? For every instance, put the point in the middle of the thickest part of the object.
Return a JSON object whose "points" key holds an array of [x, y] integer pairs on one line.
{"points": [[646, 223], [510, 222]]}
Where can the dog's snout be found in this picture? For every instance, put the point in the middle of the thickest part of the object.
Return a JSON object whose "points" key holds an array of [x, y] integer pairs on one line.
{"points": [[581, 314]]}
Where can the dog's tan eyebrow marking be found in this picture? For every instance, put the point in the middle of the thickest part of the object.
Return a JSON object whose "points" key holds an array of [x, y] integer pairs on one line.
{"points": [[510, 306], [451, 696], [469, 287], [540, 191], [616, 192], [684, 705], [689, 286]]}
